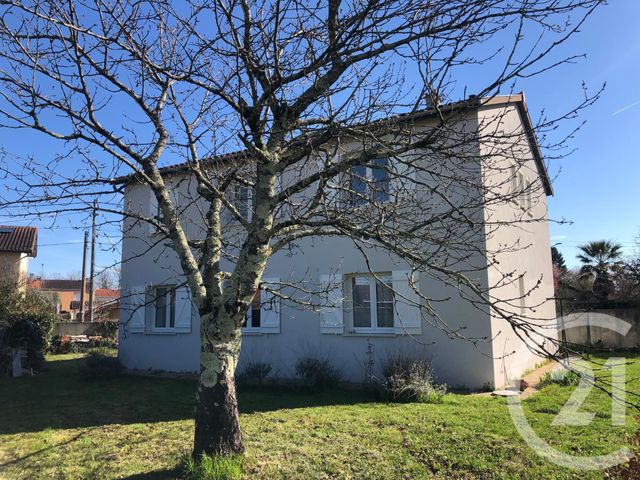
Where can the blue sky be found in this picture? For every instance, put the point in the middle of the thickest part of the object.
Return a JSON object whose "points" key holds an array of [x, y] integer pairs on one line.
{"points": [[595, 186]]}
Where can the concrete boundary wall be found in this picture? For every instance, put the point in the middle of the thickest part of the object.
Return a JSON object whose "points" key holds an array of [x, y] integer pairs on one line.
{"points": [[600, 334], [78, 328]]}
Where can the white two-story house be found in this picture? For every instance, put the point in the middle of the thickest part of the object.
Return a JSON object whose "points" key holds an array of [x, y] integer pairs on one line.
{"points": [[366, 323]]}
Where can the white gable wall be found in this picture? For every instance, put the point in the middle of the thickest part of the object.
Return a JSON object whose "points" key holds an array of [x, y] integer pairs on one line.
{"points": [[532, 258]]}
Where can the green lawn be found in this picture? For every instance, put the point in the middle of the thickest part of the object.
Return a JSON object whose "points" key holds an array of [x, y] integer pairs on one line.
{"points": [[57, 425]]}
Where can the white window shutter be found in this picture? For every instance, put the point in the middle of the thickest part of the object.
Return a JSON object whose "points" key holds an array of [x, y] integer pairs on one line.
{"points": [[136, 311], [404, 178], [332, 316], [334, 192], [184, 309], [153, 211], [513, 171], [225, 215], [249, 204], [269, 308], [407, 314], [149, 308]]}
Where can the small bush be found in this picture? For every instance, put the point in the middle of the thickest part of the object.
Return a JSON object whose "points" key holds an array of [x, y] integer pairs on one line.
{"points": [[64, 344], [561, 376], [107, 329], [217, 467], [101, 363], [600, 346], [411, 380], [255, 373], [26, 324], [317, 373]]}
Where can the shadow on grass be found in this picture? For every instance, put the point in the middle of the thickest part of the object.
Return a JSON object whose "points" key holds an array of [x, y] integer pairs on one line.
{"points": [[60, 398], [162, 474], [42, 450]]}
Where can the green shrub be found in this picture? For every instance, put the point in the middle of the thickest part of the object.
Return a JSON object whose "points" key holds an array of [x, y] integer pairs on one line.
{"points": [[101, 363], [32, 331], [561, 376], [318, 373], [217, 467], [63, 344], [107, 329], [411, 380], [26, 322], [255, 373]]}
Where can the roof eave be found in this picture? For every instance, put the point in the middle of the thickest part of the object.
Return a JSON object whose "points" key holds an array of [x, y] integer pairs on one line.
{"points": [[519, 100], [471, 103]]}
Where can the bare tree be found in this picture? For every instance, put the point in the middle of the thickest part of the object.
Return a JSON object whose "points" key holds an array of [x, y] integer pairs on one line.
{"points": [[308, 95], [109, 278], [71, 275]]}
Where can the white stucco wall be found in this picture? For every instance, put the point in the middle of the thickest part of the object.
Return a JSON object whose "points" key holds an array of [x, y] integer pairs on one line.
{"points": [[457, 361], [14, 266], [520, 246]]}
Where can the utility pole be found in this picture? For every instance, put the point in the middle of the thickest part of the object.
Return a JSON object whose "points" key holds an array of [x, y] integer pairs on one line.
{"points": [[93, 261], [83, 288]]}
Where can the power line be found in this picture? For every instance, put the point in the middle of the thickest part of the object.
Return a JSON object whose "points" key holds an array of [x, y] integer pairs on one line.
{"points": [[75, 242]]}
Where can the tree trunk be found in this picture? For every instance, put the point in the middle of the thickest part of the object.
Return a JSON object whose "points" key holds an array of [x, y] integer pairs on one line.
{"points": [[216, 415]]}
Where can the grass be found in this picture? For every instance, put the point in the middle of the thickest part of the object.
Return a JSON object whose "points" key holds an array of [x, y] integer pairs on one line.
{"points": [[212, 468], [58, 426]]}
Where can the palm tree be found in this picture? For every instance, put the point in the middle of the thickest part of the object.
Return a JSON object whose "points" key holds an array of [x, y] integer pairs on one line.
{"points": [[601, 257]]}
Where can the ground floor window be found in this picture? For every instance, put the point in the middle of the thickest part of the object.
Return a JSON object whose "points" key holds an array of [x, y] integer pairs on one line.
{"points": [[372, 302], [165, 307], [253, 318]]}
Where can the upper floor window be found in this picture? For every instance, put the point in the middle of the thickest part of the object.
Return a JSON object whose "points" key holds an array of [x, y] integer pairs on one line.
{"points": [[242, 197], [521, 186], [164, 298], [372, 302], [371, 183]]}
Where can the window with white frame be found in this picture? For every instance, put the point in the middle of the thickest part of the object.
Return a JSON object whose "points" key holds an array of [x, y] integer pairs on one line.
{"points": [[240, 198], [521, 186], [527, 196], [155, 212], [160, 309], [164, 305], [371, 183], [241, 201], [263, 314], [372, 302], [253, 317]]}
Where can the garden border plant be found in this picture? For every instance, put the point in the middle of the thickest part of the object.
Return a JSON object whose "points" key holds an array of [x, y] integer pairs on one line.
{"points": [[410, 378], [26, 322]]}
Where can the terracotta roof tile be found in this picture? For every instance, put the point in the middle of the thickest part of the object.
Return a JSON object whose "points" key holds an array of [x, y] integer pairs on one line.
{"points": [[56, 285], [107, 293], [19, 239]]}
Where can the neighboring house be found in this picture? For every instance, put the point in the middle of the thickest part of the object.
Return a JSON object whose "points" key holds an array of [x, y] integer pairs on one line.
{"points": [[66, 295], [107, 304], [160, 327], [62, 292], [17, 245]]}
